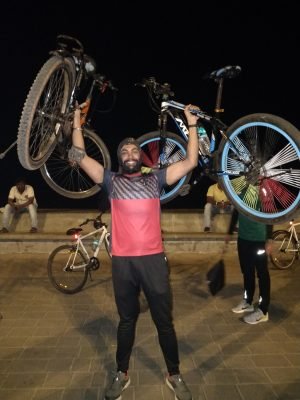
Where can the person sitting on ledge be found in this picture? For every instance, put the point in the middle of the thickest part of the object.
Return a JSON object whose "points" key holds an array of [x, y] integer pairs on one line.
{"points": [[21, 198], [216, 203]]}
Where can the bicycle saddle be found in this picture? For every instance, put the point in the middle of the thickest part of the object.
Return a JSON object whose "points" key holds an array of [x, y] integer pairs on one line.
{"points": [[230, 71], [73, 231]]}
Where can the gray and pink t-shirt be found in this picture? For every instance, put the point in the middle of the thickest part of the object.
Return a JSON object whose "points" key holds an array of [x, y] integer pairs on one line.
{"points": [[135, 212]]}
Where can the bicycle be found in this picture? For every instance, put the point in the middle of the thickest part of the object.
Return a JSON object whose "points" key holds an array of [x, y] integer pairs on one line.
{"points": [[70, 265], [256, 159], [286, 246], [45, 127]]}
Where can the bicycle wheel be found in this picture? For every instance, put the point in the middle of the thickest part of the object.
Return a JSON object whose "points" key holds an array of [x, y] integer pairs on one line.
{"points": [[158, 153], [42, 117], [68, 179], [261, 167], [64, 278], [284, 249]]}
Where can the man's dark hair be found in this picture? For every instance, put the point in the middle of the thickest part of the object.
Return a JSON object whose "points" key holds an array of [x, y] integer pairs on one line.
{"points": [[20, 179]]}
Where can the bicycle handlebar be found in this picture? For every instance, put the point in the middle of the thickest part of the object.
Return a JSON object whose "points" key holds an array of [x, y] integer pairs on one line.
{"points": [[103, 83], [158, 89], [96, 220]]}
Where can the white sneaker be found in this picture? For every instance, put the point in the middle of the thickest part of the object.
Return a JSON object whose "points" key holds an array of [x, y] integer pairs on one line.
{"points": [[256, 317], [243, 306]]}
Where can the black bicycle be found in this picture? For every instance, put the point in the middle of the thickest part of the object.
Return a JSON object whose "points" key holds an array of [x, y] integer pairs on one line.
{"points": [[45, 128], [256, 159]]}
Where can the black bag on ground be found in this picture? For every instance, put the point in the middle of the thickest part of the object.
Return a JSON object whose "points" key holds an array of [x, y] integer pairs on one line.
{"points": [[216, 277]]}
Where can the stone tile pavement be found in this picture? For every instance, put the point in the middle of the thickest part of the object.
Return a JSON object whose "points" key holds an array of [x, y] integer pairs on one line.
{"points": [[61, 347]]}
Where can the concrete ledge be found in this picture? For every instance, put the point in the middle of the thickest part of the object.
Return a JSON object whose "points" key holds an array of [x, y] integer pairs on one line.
{"points": [[58, 221], [182, 231], [175, 242]]}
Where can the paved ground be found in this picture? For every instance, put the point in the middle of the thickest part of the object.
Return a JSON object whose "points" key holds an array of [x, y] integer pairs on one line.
{"points": [[61, 347]]}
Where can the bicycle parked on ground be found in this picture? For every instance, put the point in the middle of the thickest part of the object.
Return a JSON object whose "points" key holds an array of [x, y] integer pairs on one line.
{"points": [[256, 159], [70, 265], [45, 128], [286, 246]]}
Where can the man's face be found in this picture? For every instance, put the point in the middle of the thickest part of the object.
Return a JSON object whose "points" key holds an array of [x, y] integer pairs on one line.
{"points": [[130, 159], [20, 187]]}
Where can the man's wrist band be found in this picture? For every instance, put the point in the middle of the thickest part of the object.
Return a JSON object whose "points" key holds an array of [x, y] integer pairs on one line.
{"points": [[193, 126], [77, 129], [76, 154]]}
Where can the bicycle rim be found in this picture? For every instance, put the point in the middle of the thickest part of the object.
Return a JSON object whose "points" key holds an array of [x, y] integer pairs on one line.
{"points": [[68, 179], [158, 153], [261, 167], [62, 277], [42, 117], [284, 250]]}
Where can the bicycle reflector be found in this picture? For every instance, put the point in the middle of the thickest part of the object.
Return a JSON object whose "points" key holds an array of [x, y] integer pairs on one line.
{"points": [[75, 236], [74, 233]]}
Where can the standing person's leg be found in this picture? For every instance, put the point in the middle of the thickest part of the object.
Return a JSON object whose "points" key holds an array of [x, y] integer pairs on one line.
{"points": [[126, 292], [156, 285], [247, 257], [261, 263], [8, 210], [247, 264], [264, 281]]}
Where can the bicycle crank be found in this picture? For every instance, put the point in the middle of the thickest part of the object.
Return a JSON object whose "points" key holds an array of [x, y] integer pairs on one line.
{"points": [[93, 264]]}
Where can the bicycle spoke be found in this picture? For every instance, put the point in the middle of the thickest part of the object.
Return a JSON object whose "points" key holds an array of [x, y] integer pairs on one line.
{"points": [[68, 178], [51, 104], [67, 269], [158, 152], [267, 162]]}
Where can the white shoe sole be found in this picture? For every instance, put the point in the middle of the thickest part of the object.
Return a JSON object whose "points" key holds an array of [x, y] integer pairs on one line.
{"points": [[249, 309]]}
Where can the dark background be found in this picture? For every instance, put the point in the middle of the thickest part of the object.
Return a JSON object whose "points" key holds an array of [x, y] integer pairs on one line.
{"points": [[176, 44]]}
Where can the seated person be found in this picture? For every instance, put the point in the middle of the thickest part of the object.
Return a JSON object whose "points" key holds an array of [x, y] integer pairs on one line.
{"points": [[21, 198], [216, 203]]}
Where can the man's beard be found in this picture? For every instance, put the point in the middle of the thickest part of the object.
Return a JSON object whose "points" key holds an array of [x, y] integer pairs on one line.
{"points": [[127, 169]]}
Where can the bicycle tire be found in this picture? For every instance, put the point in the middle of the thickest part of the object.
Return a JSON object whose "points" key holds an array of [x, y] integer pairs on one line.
{"points": [[42, 116], [284, 251], [66, 281], [174, 150], [68, 179], [265, 185]]}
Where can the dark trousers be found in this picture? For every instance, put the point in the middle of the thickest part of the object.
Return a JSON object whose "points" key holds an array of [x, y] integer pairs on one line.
{"points": [[151, 274], [253, 259]]}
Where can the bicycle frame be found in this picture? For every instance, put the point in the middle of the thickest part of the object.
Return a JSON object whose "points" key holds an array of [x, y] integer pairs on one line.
{"points": [[79, 246], [293, 234], [218, 128]]}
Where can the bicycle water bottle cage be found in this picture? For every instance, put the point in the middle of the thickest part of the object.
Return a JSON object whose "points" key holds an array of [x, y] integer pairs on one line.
{"points": [[73, 231]]}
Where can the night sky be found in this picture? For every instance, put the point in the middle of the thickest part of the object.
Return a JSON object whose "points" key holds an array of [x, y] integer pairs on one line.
{"points": [[142, 39]]}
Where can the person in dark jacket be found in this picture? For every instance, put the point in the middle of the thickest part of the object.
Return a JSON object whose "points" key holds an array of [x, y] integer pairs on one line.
{"points": [[254, 244]]}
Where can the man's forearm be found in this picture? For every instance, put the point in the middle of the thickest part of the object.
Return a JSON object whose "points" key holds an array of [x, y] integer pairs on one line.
{"points": [[77, 136]]}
